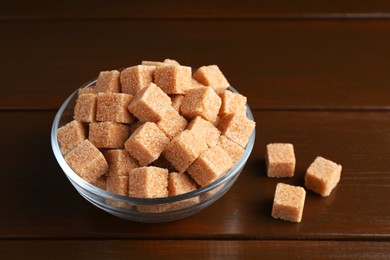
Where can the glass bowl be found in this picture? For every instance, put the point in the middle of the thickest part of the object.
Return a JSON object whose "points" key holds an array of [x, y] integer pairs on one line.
{"points": [[139, 209]]}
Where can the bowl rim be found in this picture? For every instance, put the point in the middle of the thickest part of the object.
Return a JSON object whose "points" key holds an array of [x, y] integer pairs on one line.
{"points": [[133, 200]]}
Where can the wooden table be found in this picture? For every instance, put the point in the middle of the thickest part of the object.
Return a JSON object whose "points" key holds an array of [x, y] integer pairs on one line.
{"points": [[316, 74]]}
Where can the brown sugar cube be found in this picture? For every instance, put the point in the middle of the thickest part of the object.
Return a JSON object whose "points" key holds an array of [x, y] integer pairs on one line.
{"points": [[232, 103], [280, 160], [288, 202], [171, 62], [205, 130], [108, 81], [322, 176], [87, 161], [180, 183], [234, 150], [173, 79], [88, 90], [135, 78], [210, 165], [237, 128], [172, 123], [177, 100], [70, 135], [118, 185], [120, 162], [150, 104], [108, 134], [85, 108], [148, 182], [183, 149], [113, 107], [147, 143], [212, 76], [202, 102], [100, 182]]}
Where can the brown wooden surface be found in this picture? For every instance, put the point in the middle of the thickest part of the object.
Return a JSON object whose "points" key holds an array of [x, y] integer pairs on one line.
{"points": [[312, 79]]}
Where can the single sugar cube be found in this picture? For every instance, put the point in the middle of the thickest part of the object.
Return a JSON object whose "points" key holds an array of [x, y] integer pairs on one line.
{"points": [[135, 78], [120, 162], [108, 81], [212, 76], [237, 128], [113, 107], [177, 100], [288, 202], [183, 149], [232, 103], [108, 134], [85, 108], [87, 161], [322, 176], [147, 143], [148, 182], [234, 150], [173, 79], [280, 160], [202, 102], [205, 130], [172, 123], [150, 104], [70, 135], [210, 165]]}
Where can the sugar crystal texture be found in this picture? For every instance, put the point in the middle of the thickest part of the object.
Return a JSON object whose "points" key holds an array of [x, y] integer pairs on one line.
{"points": [[180, 183], [88, 90], [212, 76], [280, 160], [202, 102], [288, 202], [153, 63], [183, 149], [108, 134], [232, 103], [173, 79], [177, 100], [234, 150], [205, 130], [147, 143], [118, 185], [108, 81], [171, 62], [148, 182], [322, 176], [70, 135], [150, 104], [172, 123], [113, 107], [100, 182], [135, 78], [120, 162], [237, 128], [87, 161], [85, 108]]}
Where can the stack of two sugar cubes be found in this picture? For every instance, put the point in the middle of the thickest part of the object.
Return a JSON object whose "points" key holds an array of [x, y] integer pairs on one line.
{"points": [[156, 130], [322, 176]]}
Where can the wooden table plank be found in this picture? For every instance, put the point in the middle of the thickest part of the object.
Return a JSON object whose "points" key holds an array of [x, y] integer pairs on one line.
{"points": [[279, 65], [39, 202], [219, 249], [174, 9]]}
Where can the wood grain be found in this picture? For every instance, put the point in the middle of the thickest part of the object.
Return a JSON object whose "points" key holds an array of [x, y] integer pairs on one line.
{"points": [[278, 65], [218, 249], [39, 202], [174, 9]]}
